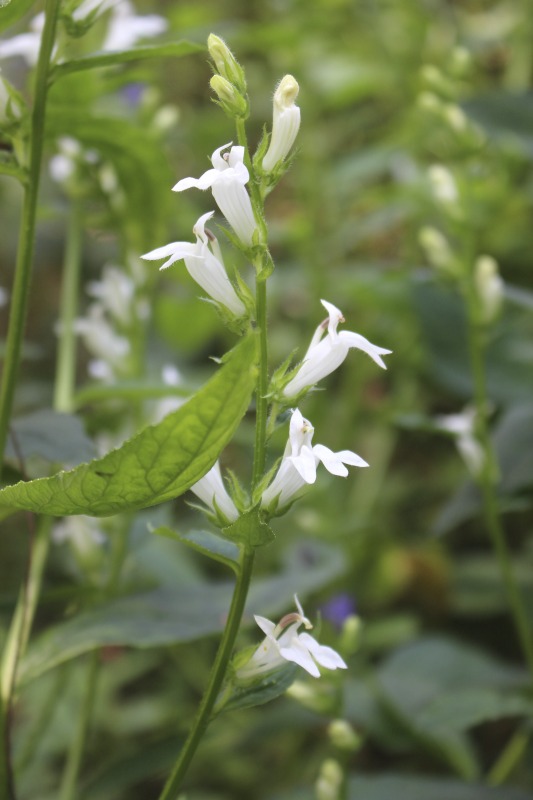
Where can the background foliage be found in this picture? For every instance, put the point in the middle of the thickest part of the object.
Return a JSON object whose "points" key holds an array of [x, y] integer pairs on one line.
{"points": [[437, 688]]}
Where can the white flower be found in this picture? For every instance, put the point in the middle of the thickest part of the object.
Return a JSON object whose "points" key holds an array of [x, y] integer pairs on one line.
{"points": [[116, 293], [283, 643], [285, 122], [171, 376], [103, 342], [326, 353], [211, 491], [126, 27], [443, 184], [203, 264], [489, 287], [26, 45], [300, 461], [227, 180], [461, 426]]}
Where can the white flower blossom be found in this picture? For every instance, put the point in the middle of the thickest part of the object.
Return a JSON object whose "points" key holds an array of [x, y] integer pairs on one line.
{"points": [[285, 122], [461, 426], [204, 264], [211, 491], [126, 27], [300, 460], [171, 376], [115, 292], [283, 643], [110, 349], [326, 353], [227, 181]]}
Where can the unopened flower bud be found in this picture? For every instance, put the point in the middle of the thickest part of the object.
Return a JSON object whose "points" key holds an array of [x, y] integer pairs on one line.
{"points": [[226, 63], [285, 122], [231, 100], [429, 101], [350, 634], [436, 81], [489, 287], [460, 61], [443, 184], [437, 249], [329, 783], [343, 736], [455, 117]]}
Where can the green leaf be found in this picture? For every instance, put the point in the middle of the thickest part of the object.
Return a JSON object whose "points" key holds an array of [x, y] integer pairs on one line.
{"points": [[12, 10], [54, 437], [250, 529], [159, 463], [110, 59], [262, 691], [169, 616], [413, 787], [205, 542], [462, 709]]}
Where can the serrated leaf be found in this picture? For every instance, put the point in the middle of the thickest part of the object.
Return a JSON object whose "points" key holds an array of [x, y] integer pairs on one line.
{"points": [[205, 542], [158, 464], [250, 529], [110, 59], [12, 10]]}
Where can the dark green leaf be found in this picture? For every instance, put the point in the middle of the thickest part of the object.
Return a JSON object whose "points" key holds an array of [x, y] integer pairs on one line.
{"points": [[54, 437], [413, 787], [263, 691], [158, 464], [110, 59], [462, 709], [165, 617]]}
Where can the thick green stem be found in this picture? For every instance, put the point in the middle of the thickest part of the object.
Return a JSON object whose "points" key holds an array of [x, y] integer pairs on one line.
{"points": [[172, 787], [66, 355], [21, 285], [487, 479]]}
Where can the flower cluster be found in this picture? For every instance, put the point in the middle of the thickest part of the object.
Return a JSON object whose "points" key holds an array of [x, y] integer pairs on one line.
{"points": [[283, 643]]}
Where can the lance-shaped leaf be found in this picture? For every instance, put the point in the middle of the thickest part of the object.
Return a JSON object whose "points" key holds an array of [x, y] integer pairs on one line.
{"points": [[159, 463]]}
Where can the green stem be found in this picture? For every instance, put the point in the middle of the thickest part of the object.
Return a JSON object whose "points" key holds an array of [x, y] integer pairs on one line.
{"points": [[17, 640], [171, 789], [21, 285], [261, 399], [487, 478], [75, 753], [512, 754], [66, 355]]}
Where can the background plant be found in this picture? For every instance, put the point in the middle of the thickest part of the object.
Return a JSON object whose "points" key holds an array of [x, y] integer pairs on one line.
{"points": [[344, 225]]}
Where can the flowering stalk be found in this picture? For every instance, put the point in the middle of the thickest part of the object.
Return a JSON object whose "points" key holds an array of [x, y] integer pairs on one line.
{"points": [[19, 305], [487, 475]]}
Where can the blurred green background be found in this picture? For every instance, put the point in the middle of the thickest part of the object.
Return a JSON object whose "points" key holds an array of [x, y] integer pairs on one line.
{"points": [[436, 687]]}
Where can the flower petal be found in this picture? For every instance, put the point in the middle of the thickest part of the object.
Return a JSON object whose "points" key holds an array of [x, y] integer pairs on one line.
{"points": [[305, 464], [325, 656], [204, 182], [299, 654], [350, 339], [331, 460]]}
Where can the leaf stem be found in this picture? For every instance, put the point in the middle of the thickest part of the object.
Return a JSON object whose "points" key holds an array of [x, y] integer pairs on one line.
{"points": [[21, 285], [171, 789], [488, 475]]}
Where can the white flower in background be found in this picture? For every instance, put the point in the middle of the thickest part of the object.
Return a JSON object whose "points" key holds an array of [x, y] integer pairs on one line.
{"points": [[102, 341], [171, 376], [489, 287], [326, 353], [211, 491], [25, 45], [283, 643], [115, 293], [227, 181], [84, 533], [300, 460], [285, 122], [126, 27], [203, 261], [443, 184], [88, 6], [461, 426]]}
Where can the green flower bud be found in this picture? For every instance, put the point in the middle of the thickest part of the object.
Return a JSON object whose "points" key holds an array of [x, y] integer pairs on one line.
{"points": [[438, 250], [343, 736], [489, 287], [329, 783], [233, 103], [226, 63]]}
